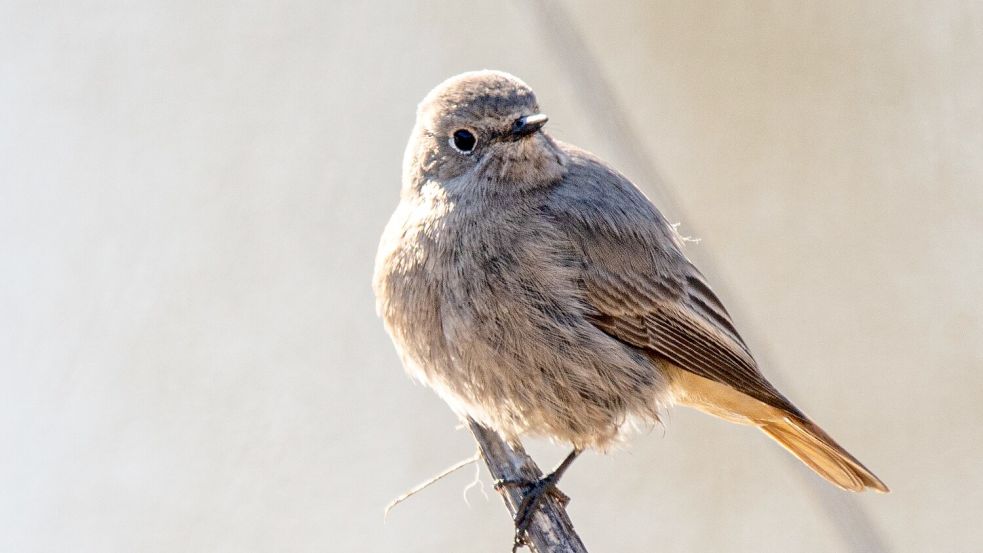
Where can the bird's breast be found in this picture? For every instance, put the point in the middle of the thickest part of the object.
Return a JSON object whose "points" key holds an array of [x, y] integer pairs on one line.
{"points": [[482, 268]]}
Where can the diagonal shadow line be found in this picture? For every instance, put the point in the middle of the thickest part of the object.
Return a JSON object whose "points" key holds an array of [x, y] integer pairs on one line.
{"points": [[607, 114]]}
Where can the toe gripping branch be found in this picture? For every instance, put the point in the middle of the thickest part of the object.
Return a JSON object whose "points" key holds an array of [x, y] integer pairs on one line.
{"points": [[545, 526], [533, 494]]}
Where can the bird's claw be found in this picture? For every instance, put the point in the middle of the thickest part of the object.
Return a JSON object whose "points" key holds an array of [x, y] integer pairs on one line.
{"points": [[533, 493], [500, 484], [512, 482]]}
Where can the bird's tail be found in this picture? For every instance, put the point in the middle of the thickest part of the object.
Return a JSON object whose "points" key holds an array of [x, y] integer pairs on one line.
{"points": [[814, 447], [789, 427]]}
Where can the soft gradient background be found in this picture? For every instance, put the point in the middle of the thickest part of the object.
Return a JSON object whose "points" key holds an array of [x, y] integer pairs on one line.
{"points": [[191, 195]]}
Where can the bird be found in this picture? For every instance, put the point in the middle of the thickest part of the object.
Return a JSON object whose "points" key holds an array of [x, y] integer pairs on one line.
{"points": [[539, 292]]}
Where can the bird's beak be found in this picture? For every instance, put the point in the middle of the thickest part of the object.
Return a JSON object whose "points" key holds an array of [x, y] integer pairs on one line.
{"points": [[524, 126]]}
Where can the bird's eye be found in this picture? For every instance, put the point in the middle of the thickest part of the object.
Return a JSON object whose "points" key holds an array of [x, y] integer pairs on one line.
{"points": [[463, 141]]}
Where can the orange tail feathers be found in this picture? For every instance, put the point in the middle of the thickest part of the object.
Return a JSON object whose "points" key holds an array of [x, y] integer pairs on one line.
{"points": [[814, 447]]}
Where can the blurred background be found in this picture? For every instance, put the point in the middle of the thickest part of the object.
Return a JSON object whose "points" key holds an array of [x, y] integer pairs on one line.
{"points": [[191, 195]]}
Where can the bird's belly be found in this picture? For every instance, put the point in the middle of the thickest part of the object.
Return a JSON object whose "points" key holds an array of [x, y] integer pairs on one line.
{"points": [[496, 326], [526, 360]]}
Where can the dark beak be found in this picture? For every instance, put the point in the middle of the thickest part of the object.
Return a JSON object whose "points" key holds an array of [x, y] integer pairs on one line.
{"points": [[524, 126]]}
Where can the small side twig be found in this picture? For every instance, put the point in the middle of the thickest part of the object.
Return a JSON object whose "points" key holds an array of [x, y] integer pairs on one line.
{"points": [[550, 529], [424, 485]]}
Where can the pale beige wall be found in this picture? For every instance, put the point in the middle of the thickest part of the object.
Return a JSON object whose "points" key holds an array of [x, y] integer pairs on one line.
{"points": [[190, 198]]}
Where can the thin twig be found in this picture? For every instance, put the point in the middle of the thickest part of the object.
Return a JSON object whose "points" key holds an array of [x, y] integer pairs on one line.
{"points": [[550, 529], [424, 485]]}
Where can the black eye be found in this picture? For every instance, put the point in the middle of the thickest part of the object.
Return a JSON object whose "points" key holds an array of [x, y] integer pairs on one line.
{"points": [[463, 141]]}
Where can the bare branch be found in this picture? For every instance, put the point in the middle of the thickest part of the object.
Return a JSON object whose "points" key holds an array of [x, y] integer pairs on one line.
{"points": [[550, 530]]}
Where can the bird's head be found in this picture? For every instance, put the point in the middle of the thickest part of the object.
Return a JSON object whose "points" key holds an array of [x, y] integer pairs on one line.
{"points": [[482, 129]]}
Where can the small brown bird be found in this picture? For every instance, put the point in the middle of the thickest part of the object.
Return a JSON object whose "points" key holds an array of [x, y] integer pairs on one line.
{"points": [[539, 292]]}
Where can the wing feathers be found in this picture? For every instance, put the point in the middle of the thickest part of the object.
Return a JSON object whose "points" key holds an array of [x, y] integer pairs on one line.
{"points": [[639, 288], [681, 336]]}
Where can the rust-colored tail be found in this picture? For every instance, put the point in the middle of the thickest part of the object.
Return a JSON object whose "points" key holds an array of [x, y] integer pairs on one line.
{"points": [[789, 427], [814, 447]]}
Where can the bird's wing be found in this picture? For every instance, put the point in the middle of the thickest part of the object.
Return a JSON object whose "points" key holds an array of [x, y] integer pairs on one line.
{"points": [[641, 289]]}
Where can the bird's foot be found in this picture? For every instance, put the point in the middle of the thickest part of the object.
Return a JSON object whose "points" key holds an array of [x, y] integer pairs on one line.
{"points": [[533, 494], [563, 498]]}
